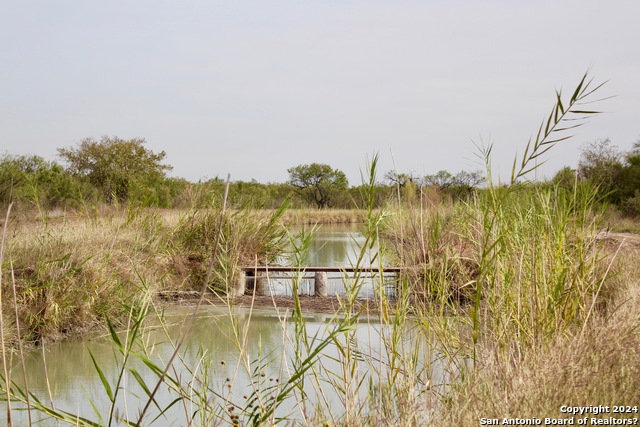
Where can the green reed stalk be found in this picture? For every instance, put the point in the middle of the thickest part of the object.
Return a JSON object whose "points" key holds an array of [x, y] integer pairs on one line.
{"points": [[497, 206]]}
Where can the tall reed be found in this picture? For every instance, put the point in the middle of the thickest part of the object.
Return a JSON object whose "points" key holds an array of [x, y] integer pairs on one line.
{"points": [[519, 265]]}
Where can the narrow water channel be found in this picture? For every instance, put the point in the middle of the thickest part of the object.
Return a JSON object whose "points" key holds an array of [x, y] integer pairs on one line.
{"points": [[339, 246], [212, 354]]}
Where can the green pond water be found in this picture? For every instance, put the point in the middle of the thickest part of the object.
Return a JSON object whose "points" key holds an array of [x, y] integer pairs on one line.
{"points": [[65, 372]]}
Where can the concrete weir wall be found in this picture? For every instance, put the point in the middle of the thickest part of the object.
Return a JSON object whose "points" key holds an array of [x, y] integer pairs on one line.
{"points": [[259, 278]]}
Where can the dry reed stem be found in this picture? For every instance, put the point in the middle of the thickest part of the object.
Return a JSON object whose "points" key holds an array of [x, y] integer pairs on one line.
{"points": [[599, 365], [604, 277], [20, 346], [6, 371]]}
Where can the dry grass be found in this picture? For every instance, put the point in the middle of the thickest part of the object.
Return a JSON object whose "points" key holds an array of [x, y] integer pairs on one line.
{"points": [[595, 365], [617, 222], [73, 271], [552, 313]]}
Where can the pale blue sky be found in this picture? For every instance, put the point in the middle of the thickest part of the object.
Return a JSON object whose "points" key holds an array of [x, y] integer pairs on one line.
{"points": [[253, 88]]}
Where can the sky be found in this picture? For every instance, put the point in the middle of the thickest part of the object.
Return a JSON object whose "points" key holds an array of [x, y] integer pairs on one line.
{"points": [[252, 88]]}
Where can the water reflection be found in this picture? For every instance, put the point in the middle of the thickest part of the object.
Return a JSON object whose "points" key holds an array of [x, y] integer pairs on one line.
{"points": [[338, 246], [334, 247]]}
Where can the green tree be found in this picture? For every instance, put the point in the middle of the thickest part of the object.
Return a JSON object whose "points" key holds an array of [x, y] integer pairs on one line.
{"points": [[458, 186], [116, 166], [400, 179], [318, 183], [565, 178], [38, 182], [601, 163], [631, 174], [631, 181]]}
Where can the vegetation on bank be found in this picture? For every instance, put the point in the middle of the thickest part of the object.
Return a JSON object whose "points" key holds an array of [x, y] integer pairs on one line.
{"points": [[72, 273], [521, 303], [73, 270]]}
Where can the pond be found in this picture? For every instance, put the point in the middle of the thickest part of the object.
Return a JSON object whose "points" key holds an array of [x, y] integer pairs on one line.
{"points": [[234, 359], [211, 367]]}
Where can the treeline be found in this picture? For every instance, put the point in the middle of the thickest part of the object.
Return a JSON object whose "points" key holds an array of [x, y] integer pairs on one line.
{"points": [[114, 171], [616, 173]]}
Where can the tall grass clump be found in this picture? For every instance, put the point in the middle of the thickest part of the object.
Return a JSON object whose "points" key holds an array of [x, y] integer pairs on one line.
{"points": [[71, 274], [537, 264], [520, 257], [74, 271], [520, 265], [534, 246], [247, 236]]}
